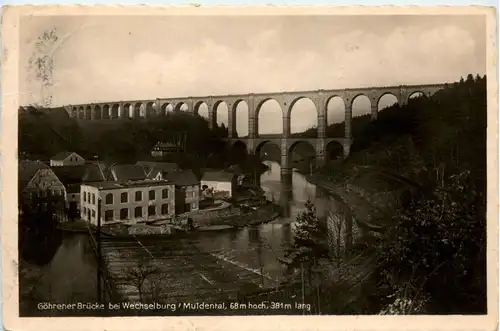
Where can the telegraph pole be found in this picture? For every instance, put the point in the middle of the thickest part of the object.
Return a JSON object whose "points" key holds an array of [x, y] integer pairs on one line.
{"points": [[98, 237]]}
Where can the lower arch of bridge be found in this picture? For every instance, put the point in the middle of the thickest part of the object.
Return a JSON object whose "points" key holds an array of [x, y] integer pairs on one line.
{"points": [[301, 155], [238, 152], [415, 95], [74, 112], [81, 113], [334, 151], [127, 111]]}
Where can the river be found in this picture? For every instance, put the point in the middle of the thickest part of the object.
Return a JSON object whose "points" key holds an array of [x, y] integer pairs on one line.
{"points": [[66, 269]]}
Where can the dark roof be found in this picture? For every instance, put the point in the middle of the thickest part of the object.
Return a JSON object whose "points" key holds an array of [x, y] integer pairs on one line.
{"points": [[165, 145], [128, 172], [128, 184], [61, 156], [218, 176], [182, 178], [152, 168], [89, 172], [28, 169], [73, 188]]}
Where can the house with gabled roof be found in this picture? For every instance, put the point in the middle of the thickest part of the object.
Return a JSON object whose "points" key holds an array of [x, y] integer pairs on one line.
{"points": [[66, 159], [126, 172], [221, 182], [39, 187], [158, 170], [73, 176]]}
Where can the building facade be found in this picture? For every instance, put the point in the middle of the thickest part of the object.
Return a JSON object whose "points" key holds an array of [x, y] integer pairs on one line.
{"points": [[66, 159], [39, 188], [187, 191], [128, 202], [164, 149], [222, 183]]}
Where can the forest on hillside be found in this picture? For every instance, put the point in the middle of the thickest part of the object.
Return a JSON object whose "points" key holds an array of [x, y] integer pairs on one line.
{"points": [[420, 171]]}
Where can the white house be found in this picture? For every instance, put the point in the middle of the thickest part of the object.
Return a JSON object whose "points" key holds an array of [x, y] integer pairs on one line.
{"points": [[221, 182], [66, 159]]}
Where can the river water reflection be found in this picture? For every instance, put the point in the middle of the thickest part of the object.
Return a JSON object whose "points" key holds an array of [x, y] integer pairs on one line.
{"points": [[70, 274]]}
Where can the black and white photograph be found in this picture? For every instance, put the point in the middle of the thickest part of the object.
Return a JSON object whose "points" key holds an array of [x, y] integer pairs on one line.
{"points": [[189, 162]]}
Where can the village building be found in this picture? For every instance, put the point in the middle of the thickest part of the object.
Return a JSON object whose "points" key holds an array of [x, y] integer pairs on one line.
{"points": [[158, 170], [73, 176], [39, 188], [187, 190], [221, 183], [162, 149], [128, 202], [66, 159], [125, 172]]}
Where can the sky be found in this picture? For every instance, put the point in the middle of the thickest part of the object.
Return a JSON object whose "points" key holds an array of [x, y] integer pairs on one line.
{"points": [[113, 58]]}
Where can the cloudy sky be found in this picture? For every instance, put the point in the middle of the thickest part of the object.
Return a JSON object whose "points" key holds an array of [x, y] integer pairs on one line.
{"points": [[112, 58]]}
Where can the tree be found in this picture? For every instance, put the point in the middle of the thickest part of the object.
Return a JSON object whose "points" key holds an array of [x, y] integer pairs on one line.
{"points": [[310, 242], [139, 274]]}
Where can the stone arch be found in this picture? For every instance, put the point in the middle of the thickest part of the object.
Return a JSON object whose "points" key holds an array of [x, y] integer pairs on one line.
{"points": [[334, 151], [106, 110], [115, 111], [269, 150], [165, 108], [223, 116], [382, 105], [360, 105], [334, 116], [81, 113], [240, 118], [74, 112], [275, 122], [301, 155], [127, 110], [97, 112], [181, 106], [239, 152], [138, 113], [201, 108], [88, 113], [415, 95], [302, 105], [150, 108]]}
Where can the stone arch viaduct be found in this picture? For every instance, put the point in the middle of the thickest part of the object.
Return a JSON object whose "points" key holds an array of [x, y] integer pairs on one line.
{"points": [[286, 100]]}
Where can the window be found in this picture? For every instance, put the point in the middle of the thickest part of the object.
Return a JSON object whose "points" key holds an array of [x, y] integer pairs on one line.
{"points": [[164, 193], [152, 195], [93, 213], [138, 196], [193, 205], [84, 211], [84, 197], [93, 198], [138, 212], [124, 197], [108, 215], [72, 195], [88, 197], [164, 209], [123, 213], [109, 199], [151, 210]]}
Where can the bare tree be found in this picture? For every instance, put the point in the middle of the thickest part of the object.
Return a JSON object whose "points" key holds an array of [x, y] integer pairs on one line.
{"points": [[139, 274]]}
